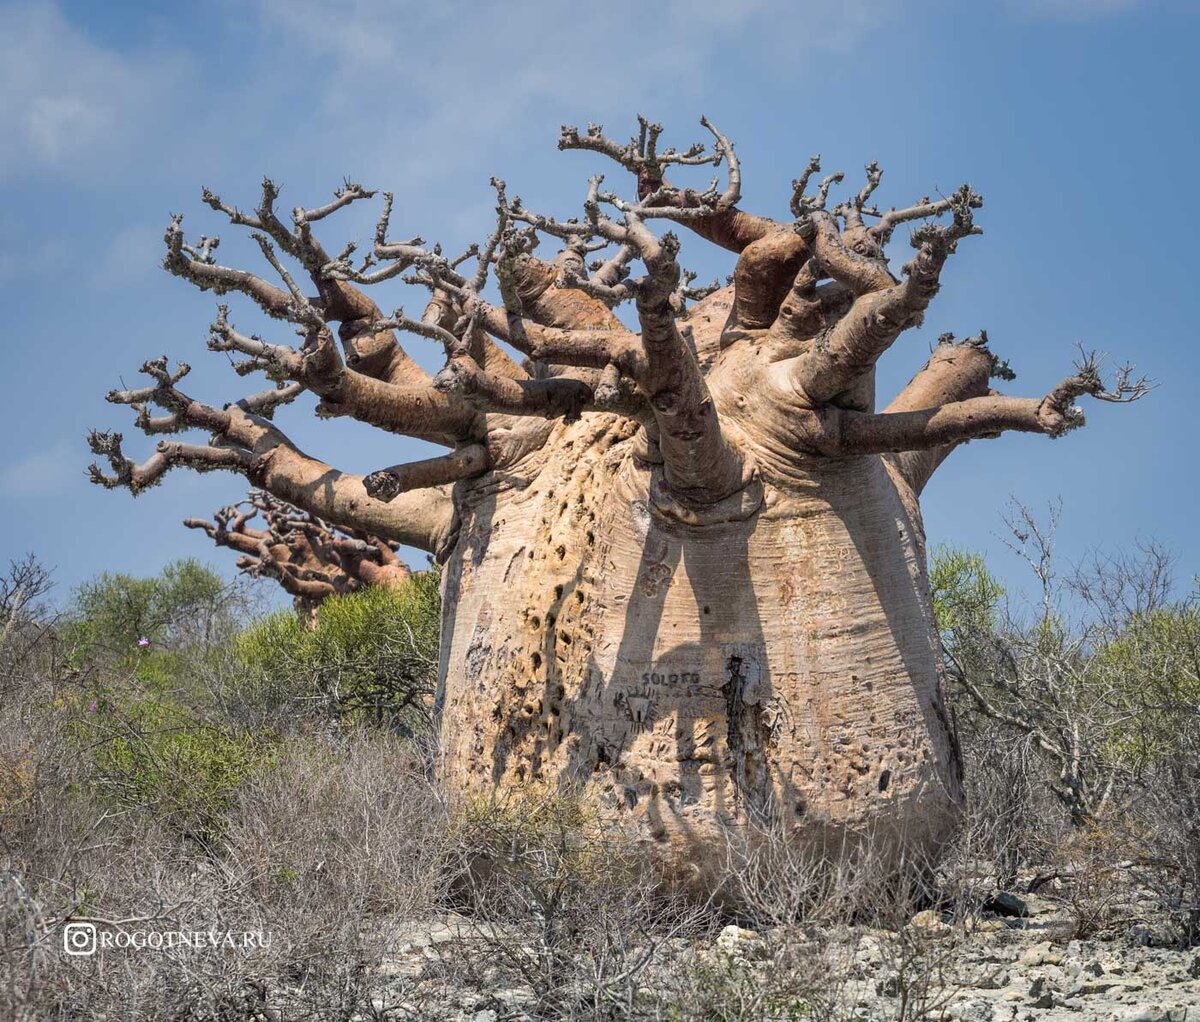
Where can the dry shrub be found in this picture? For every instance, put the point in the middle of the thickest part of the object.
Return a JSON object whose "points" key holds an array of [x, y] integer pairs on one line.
{"points": [[338, 831], [566, 905], [1168, 815], [821, 914], [325, 852]]}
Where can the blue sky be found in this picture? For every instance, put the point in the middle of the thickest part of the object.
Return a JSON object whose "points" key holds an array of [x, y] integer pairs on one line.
{"points": [[1077, 120]]}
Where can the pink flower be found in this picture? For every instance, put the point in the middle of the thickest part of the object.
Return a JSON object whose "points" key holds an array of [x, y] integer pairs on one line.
{"points": [[143, 642], [92, 708]]}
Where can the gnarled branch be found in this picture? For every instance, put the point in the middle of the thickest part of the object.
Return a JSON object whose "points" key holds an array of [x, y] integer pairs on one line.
{"points": [[841, 432], [244, 442], [310, 558]]}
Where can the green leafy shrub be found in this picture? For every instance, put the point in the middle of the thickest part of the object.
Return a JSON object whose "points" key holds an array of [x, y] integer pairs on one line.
{"points": [[138, 707], [965, 594], [150, 752], [1152, 669], [371, 659], [156, 625]]}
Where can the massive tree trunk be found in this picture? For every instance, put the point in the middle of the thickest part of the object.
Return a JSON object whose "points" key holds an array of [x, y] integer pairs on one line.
{"points": [[684, 566], [775, 656]]}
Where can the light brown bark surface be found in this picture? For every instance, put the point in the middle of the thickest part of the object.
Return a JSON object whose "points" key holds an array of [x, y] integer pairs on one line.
{"points": [[778, 659]]}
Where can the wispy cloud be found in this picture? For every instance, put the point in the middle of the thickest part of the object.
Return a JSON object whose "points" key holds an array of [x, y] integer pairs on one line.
{"points": [[45, 473], [436, 84], [70, 105], [31, 261], [132, 257]]}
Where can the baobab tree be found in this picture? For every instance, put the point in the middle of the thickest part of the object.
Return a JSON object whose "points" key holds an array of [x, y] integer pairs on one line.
{"points": [[309, 558], [684, 565]]}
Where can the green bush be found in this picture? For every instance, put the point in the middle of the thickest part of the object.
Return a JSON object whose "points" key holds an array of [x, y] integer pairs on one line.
{"points": [[965, 594], [1152, 668], [139, 707], [153, 625], [371, 659], [149, 752]]}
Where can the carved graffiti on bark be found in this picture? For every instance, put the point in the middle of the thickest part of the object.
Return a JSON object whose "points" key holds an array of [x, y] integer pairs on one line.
{"points": [[747, 691]]}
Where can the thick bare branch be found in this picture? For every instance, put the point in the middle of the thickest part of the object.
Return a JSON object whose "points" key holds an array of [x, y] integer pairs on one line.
{"points": [[308, 557], [878, 317], [249, 444], [557, 294], [208, 276], [923, 210], [167, 455], [387, 484], [699, 462], [376, 354], [420, 410], [553, 398], [591, 348], [955, 371], [836, 431], [713, 216]]}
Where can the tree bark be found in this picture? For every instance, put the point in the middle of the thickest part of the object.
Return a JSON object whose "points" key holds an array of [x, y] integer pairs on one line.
{"points": [[771, 658]]}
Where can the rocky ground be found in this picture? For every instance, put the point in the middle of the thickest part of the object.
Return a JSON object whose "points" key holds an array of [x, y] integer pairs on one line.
{"points": [[998, 966]]}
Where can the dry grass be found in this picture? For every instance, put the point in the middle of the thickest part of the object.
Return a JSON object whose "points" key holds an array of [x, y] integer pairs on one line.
{"points": [[334, 842]]}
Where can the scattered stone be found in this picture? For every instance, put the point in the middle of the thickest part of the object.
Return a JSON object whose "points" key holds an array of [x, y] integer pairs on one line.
{"points": [[889, 986], [1005, 903], [991, 925], [931, 922], [993, 980], [734, 942], [1152, 1013], [1040, 995], [1041, 954], [970, 1011], [998, 975], [1095, 987], [1142, 936]]}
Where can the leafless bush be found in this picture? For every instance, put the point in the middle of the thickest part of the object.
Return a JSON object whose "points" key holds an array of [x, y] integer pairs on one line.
{"points": [[336, 831], [1090, 694], [324, 853], [832, 926], [25, 619], [1165, 822], [565, 904], [1009, 818], [769, 879]]}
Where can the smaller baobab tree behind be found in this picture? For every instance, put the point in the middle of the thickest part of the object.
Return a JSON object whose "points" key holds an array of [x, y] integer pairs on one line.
{"points": [[309, 558], [684, 564]]}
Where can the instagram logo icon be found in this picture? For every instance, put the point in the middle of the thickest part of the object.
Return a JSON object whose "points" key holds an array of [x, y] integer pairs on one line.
{"points": [[79, 938]]}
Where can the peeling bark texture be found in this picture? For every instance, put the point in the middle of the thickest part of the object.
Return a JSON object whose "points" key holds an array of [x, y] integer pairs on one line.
{"points": [[684, 564], [310, 559]]}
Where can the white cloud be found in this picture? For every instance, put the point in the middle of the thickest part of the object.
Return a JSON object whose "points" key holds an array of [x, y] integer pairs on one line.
{"points": [[436, 84], [132, 257], [42, 258], [70, 106], [45, 473]]}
